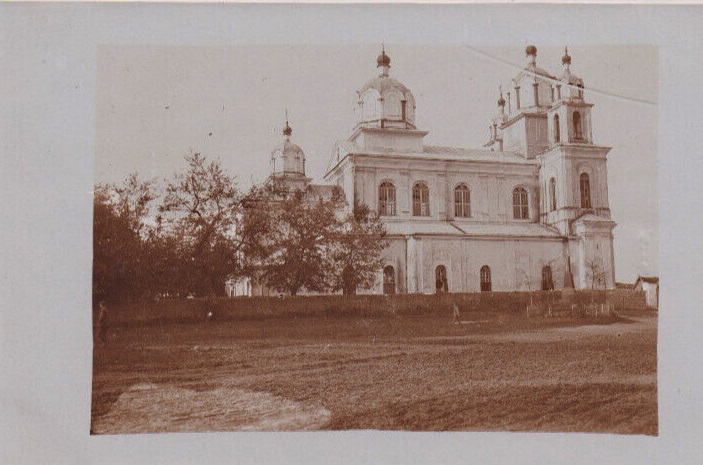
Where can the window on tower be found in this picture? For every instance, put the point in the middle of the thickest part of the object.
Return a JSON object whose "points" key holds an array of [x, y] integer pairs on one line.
{"points": [[578, 128], [556, 129], [386, 199], [585, 183], [462, 201], [421, 199], [520, 205], [552, 194]]}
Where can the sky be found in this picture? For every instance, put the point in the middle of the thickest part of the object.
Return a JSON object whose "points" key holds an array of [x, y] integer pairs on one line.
{"points": [[156, 104]]}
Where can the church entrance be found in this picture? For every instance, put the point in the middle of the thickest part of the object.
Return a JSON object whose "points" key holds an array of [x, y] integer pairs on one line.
{"points": [[441, 279], [389, 280]]}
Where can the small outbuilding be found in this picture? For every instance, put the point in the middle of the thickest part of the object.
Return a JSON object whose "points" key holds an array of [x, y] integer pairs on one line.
{"points": [[650, 286]]}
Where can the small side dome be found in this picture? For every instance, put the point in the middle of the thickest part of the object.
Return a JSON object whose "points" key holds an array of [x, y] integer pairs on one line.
{"points": [[287, 159]]}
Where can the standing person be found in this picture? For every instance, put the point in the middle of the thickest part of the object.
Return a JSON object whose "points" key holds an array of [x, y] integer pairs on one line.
{"points": [[102, 323], [455, 307]]}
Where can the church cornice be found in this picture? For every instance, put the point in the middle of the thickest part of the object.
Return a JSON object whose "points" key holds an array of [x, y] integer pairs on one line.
{"points": [[594, 151], [527, 167], [390, 130], [571, 103], [480, 237]]}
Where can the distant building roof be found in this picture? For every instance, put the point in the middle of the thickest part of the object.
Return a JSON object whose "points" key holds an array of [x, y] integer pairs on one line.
{"points": [[325, 191], [624, 285], [648, 279]]}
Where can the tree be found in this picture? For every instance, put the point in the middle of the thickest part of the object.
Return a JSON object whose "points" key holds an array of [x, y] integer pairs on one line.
{"points": [[134, 199], [119, 219], [357, 249], [595, 273], [200, 209], [297, 231]]}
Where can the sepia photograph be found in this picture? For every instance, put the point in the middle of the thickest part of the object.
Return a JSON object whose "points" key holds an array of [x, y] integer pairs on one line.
{"points": [[375, 236], [393, 234]]}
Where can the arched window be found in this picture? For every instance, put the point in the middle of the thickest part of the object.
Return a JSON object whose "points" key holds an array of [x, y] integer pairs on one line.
{"points": [[547, 281], [421, 199], [392, 102], [370, 104], [441, 279], [520, 207], [386, 199], [585, 183], [485, 279], [462, 201], [556, 128], [388, 280], [552, 194], [578, 129], [410, 109]]}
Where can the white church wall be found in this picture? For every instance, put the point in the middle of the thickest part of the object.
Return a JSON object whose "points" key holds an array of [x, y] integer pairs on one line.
{"points": [[514, 137], [395, 255], [537, 135], [511, 262], [491, 194]]}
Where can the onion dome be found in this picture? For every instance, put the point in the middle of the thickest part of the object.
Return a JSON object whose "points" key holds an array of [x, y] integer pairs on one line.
{"points": [[566, 59], [383, 59], [531, 50], [501, 100], [574, 83], [287, 131]]}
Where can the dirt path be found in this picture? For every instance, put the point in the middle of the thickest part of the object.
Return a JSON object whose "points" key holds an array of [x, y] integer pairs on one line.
{"points": [[148, 408], [543, 335], [438, 378]]}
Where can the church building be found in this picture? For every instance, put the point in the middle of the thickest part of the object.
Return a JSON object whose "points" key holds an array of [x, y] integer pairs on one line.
{"points": [[527, 211]]}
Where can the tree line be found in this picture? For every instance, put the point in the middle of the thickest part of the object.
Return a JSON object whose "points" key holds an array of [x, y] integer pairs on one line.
{"points": [[200, 230]]}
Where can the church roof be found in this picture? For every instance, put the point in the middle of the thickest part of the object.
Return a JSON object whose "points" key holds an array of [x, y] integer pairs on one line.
{"points": [[469, 229], [287, 147], [461, 153], [383, 84], [435, 152]]}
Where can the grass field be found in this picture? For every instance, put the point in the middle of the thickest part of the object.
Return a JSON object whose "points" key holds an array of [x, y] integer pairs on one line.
{"points": [[411, 373]]}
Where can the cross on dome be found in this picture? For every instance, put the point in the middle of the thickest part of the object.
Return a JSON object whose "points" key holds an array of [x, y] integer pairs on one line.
{"points": [[287, 131]]}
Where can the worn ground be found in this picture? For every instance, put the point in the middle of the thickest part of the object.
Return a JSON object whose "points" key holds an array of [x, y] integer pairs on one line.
{"points": [[409, 373]]}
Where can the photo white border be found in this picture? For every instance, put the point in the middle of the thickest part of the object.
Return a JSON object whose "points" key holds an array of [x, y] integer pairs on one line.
{"points": [[48, 140]]}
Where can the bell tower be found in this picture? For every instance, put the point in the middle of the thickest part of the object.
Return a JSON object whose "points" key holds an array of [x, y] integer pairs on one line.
{"points": [[574, 183]]}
